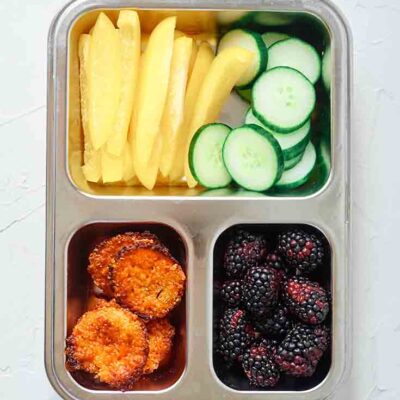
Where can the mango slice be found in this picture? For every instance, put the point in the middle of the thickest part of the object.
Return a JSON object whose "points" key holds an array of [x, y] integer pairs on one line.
{"points": [[112, 167], [226, 69], [174, 107], [201, 66], [153, 89], [104, 81], [187, 21], [91, 158], [129, 36], [148, 177], [128, 166]]}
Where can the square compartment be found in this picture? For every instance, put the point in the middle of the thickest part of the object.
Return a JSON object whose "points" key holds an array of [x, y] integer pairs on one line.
{"points": [[80, 290], [234, 377], [304, 25]]}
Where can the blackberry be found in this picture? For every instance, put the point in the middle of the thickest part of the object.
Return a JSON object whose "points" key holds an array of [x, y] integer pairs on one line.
{"points": [[261, 290], [274, 260], [277, 324], [299, 353], [235, 334], [301, 250], [259, 365], [244, 251], [306, 300], [231, 293]]}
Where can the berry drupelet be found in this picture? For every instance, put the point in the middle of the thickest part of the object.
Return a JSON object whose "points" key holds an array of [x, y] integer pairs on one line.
{"points": [[261, 287], [243, 251], [259, 365], [277, 325], [299, 353], [231, 293], [235, 334], [301, 250], [306, 300]]}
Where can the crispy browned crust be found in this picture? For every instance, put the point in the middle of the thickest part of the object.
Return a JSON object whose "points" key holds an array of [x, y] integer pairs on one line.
{"points": [[103, 255], [110, 343], [146, 279], [161, 334]]}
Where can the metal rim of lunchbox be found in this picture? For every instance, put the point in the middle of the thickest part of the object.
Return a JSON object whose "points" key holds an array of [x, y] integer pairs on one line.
{"points": [[341, 120]]}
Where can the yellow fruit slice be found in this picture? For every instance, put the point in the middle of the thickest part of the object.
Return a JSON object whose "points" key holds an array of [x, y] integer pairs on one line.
{"points": [[129, 35], [148, 176], [104, 81], [144, 41], [91, 158], [129, 169], [226, 69], [92, 167], [112, 167], [153, 93], [174, 108], [193, 57], [187, 21], [201, 66]]}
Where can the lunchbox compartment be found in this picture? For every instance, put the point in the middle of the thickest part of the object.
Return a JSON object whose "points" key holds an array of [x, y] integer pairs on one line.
{"points": [[304, 25], [234, 377], [80, 292]]}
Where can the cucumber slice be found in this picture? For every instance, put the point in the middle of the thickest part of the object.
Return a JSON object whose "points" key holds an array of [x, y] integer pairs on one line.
{"points": [[251, 41], [325, 156], [298, 175], [297, 54], [273, 18], [292, 144], [293, 161], [283, 99], [253, 158], [271, 38], [244, 94], [327, 68], [233, 18], [205, 156]]}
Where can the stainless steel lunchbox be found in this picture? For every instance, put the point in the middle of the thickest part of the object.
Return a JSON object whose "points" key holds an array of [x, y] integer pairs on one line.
{"points": [[79, 214]]}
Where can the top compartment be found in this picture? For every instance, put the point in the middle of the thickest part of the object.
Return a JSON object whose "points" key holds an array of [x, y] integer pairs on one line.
{"points": [[300, 154]]}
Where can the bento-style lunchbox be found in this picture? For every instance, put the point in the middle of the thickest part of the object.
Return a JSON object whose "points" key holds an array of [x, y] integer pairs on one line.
{"points": [[224, 276]]}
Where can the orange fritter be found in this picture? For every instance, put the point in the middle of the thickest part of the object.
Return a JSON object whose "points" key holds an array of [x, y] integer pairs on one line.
{"points": [[147, 280], [111, 343], [103, 255], [161, 334]]}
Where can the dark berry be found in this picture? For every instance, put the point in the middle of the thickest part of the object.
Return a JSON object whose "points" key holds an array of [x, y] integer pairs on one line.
{"points": [[306, 300], [235, 334], [259, 365], [244, 251], [274, 260], [276, 325], [231, 293], [261, 287], [299, 353], [302, 251]]}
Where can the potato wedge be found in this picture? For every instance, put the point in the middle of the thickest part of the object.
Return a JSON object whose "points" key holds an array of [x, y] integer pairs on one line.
{"points": [[174, 108], [201, 66], [104, 81], [153, 93], [129, 36], [226, 69]]}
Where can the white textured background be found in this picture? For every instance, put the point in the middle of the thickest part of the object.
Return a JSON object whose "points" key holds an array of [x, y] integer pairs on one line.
{"points": [[376, 197]]}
